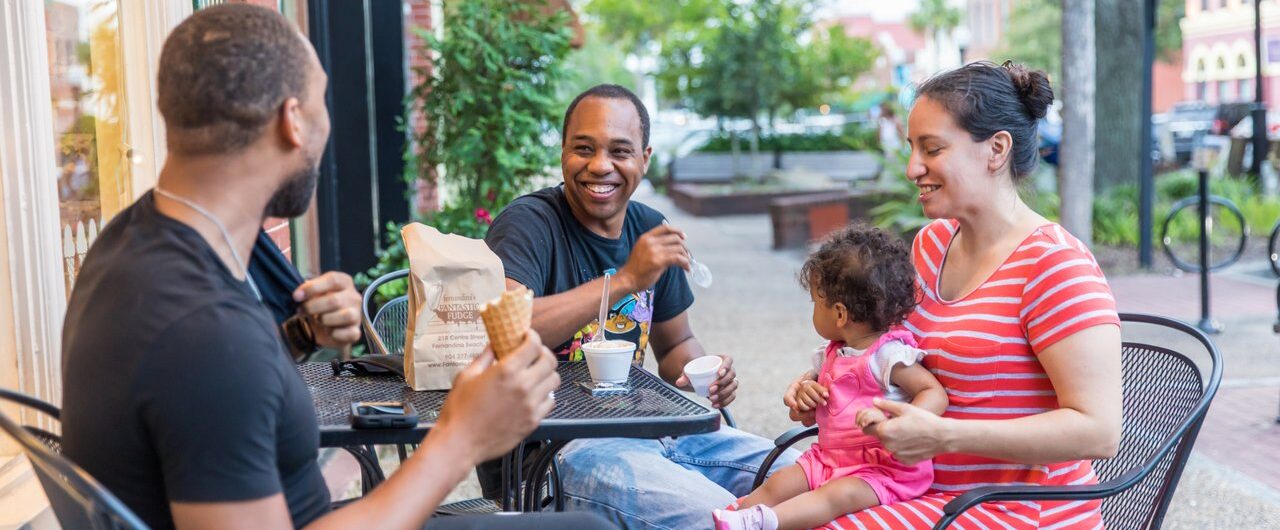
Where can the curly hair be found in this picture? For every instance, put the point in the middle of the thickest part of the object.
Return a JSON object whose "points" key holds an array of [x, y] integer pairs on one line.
{"points": [[868, 271]]}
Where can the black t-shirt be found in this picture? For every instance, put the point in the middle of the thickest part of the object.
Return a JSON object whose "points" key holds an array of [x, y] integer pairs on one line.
{"points": [[275, 277], [177, 386], [545, 248]]}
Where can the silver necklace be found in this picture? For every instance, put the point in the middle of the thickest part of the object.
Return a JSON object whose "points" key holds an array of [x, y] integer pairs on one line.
{"points": [[221, 228]]}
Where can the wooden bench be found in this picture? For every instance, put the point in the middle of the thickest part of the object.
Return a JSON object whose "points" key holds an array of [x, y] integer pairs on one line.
{"points": [[840, 166], [801, 219]]}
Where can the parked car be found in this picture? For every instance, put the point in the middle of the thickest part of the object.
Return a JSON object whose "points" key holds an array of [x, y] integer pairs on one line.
{"points": [[1190, 121]]}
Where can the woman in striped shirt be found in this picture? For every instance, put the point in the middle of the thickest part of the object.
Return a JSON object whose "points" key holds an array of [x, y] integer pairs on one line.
{"points": [[1016, 318]]}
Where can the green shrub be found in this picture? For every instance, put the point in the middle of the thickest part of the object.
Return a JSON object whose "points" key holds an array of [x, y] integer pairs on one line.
{"points": [[1115, 216], [489, 101]]}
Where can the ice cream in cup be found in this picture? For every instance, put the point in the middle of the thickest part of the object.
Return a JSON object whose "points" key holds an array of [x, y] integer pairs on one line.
{"points": [[609, 361], [702, 372]]}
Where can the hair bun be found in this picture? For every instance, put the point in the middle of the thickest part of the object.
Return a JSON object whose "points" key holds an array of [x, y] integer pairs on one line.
{"points": [[1033, 88]]}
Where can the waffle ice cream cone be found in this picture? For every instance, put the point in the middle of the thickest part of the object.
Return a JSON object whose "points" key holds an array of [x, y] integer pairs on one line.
{"points": [[507, 319]]}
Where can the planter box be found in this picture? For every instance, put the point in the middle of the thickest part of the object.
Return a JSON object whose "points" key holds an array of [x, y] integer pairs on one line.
{"points": [[710, 201], [707, 168], [801, 219]]}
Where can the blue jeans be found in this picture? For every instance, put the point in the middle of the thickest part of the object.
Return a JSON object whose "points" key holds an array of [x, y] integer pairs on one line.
{"points": [[669, 483]]}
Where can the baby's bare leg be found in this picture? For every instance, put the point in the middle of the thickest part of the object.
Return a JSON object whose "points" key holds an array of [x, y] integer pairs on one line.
{"points": [[783, 484], [821, 506]]}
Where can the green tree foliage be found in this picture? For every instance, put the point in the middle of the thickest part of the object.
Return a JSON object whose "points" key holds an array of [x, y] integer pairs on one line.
{"points": [[934, 15], [737, 59], [1033, 35], [638, 25], [599, 60], [489, 100], [933, 18]]}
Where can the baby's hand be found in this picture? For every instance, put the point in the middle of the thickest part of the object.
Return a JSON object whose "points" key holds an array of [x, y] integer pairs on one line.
{"points": [[811, 395], [869, 416], [792, 397]]}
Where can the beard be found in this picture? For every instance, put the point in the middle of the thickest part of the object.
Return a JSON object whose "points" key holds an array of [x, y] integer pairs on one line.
{"points": [[293, 197]]}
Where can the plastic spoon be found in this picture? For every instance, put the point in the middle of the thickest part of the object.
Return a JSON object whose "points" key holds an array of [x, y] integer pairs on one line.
{"points": [[699, 273], [604, 305]]}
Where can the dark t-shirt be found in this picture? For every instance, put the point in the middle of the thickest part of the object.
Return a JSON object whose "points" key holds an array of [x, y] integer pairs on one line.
{"points": [[275, 277], [545, 248], [177, 386]]}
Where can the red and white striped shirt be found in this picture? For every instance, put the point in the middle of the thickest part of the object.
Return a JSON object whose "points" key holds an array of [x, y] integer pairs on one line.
{"points": [[983, 348]]}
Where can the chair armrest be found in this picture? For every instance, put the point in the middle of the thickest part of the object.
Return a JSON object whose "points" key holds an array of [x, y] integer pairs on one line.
{"points": [[781, 444], [728, 418], [977, 496], [792, 436]]}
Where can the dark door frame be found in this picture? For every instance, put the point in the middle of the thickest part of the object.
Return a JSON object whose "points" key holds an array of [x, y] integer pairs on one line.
{"points": [[361, 187]]}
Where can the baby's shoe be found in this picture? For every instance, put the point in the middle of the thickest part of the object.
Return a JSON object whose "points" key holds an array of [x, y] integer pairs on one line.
{"points": [[758, 517]]}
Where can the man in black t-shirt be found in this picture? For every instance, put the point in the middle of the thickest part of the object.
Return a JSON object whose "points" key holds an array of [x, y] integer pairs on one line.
{"points": [[179, 396], [558, 242], [543, 246]]}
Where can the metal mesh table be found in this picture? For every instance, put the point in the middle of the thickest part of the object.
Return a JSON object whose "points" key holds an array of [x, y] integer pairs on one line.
{"points": [[652, 408]]}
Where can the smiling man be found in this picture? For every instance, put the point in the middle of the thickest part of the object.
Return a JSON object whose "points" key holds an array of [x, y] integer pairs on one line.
{"points": [[557, 242]]}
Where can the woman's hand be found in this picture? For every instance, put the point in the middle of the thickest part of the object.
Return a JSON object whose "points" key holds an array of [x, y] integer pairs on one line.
{"points": [[911, 433]]}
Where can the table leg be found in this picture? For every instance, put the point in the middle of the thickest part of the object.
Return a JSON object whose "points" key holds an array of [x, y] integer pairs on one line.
{"points": [[518, 478], [506, 482]]}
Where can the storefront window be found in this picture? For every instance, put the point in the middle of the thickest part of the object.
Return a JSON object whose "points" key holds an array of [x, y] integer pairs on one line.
{"points": [[86, 78]]}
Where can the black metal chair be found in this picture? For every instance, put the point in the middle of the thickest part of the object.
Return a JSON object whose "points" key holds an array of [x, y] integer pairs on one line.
{"points": [[1166, 395], [49, 439], [384, 331], [77, 499]]}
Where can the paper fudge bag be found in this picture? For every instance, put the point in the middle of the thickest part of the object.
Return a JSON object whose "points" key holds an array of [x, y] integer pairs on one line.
{"points": [[450, 276]]}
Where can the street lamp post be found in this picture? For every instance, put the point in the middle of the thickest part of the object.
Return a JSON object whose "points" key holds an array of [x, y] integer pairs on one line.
{"points": [[1146, 182], [1259, 108]]}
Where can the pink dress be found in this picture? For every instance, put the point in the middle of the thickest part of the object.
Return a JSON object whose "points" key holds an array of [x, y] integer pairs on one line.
{"points": [[843, 450]]}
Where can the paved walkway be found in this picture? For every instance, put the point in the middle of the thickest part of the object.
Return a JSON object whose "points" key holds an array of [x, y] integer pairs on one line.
{"points": [[756, 311]]}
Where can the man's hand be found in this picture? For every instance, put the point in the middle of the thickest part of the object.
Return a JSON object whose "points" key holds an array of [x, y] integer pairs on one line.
{"points": [[721, 392], [495, 404], [331, 303], [652, 254]]}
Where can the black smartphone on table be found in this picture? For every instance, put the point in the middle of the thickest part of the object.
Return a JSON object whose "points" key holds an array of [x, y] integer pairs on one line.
{"points": [[383, 415]]}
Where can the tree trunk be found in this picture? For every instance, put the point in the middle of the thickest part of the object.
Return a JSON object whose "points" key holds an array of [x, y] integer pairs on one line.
{"points": [[1079, 77], [1118, 107]]}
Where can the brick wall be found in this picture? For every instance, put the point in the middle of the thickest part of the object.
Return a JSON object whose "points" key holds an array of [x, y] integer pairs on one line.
{"points": [[426, 197]]}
